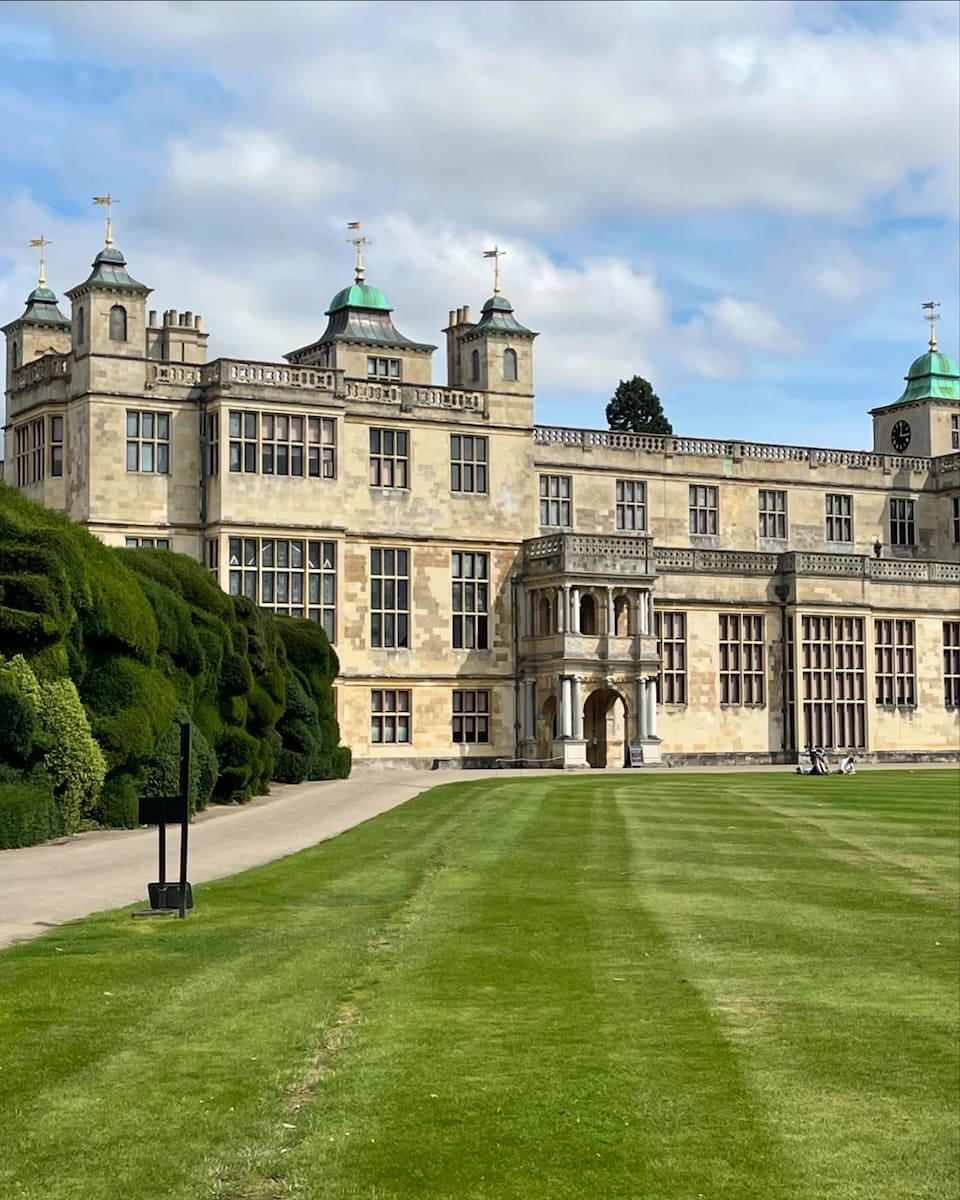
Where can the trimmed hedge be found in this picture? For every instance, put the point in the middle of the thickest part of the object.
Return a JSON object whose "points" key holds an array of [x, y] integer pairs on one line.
{"points": [[148, 639], [28, 815]]}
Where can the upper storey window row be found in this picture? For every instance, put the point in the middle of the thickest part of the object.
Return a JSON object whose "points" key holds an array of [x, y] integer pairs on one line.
{"points": [[281, 444]]}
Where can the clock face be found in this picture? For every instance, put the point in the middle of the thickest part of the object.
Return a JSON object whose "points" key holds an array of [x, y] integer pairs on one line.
{"points": [[900, 436]]}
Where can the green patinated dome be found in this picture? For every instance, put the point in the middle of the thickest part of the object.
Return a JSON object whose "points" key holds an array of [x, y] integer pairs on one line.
{"points": [[932, 375], [359, 295]]}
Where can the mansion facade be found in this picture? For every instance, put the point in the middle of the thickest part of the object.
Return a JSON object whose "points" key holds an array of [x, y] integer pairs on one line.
{"points": [[501, 590]]}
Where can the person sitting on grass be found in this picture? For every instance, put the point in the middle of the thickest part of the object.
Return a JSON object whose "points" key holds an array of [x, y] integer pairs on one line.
{"points": [[847, 766]]}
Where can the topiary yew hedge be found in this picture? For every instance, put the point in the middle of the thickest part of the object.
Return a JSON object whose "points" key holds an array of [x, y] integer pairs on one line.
{"points": [[126, 644]]}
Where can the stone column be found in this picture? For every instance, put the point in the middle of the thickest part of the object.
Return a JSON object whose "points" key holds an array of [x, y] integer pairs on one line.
{"points": [[574, 610], [650, 622], [652, 708], [643, 611], [530, 714], [565, 707], [611, 615], [575, 701], [641, 708], [561, 606]]}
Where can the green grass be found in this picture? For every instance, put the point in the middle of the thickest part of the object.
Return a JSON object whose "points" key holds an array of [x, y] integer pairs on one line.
{"points": [[605, 988]]}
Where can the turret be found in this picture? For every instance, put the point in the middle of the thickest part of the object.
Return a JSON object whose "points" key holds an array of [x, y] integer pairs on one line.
{"points": [[41, 329]]}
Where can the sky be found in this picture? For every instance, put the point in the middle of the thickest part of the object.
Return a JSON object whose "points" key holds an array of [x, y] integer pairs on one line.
{"points": [[746, 203]]}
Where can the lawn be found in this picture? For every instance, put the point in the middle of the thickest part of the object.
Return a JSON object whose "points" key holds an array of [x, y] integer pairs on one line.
{"points": [[682, 987]]}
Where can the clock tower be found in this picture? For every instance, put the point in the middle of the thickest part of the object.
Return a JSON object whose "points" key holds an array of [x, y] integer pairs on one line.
{"points": [[925, 421]]}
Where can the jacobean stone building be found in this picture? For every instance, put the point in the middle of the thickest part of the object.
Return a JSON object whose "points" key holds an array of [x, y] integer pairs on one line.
{"points": [[500, 589]]}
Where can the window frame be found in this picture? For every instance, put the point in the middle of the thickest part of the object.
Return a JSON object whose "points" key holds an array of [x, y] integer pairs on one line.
{"points": [[391, 709], [470, 717], [902, 514], [117, 321], [895, 662], [951, 664], [741, 665], [148, 440], [632, 506], [389, 594], [670, 630], [384, 370], [838, 522], [510, 356], [146, 543], [556, 499], [389, 458], [772, 514], [703, 509], [470, 600], [469, 464]]}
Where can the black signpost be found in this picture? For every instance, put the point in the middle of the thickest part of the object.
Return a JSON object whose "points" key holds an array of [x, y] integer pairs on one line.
{"points": [[166, 899]]}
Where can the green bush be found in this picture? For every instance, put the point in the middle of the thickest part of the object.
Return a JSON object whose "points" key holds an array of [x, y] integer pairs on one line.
{"points": [[132, 706], [119, 803], [74, 761], [19, 723], [28, 815]]}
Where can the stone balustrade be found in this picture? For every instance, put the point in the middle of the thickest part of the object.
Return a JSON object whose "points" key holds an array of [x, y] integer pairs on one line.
{"points": [[746, 562], [264, 374], [589, 554], [669, 444], [42, 370]]}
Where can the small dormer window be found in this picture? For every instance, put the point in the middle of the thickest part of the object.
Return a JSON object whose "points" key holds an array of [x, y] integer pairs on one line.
{"points": [[118, 323], [81, 332], [510, 365], [383, 368], [475, 366]]}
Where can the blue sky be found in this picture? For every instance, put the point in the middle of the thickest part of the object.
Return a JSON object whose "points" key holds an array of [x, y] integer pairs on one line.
{"points": [[745, 202]]}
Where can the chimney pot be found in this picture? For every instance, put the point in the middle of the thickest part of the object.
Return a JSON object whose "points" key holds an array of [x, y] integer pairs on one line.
{"points": [[196, 321], [466, 313], [153, 317], [452, 320]]}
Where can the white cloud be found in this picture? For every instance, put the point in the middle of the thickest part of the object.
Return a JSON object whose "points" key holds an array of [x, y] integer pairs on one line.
{"points": [[550, 114]]}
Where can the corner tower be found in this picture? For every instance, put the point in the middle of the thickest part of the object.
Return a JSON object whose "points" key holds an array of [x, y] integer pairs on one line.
{"points": [[496, 353], [925, 420], [41, 328]]}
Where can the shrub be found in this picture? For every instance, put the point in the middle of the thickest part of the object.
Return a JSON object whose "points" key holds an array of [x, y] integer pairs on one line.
{"points": [[74, 761], [19, 723], [132, 706], [119, 803], [28, 815]]}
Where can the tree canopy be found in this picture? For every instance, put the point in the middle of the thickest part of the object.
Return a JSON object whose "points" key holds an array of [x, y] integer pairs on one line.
{"points": [[636, 408]]}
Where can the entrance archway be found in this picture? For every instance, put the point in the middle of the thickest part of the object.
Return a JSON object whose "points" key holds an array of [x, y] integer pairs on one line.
{"points": [[605, 728]]}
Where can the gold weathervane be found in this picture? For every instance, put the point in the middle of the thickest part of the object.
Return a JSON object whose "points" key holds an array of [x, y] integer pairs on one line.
{"points": [[41, 242], [358, 242], [496, 254], [929, 314], [109, 201]]}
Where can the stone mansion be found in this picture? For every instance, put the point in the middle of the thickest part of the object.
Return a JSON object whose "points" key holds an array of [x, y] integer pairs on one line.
{"points": [[501, 590]]}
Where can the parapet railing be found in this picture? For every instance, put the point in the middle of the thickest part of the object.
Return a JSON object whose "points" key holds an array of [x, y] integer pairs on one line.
{"points": [[42, 370], [746, 562], [668, 444], [414, 395]]}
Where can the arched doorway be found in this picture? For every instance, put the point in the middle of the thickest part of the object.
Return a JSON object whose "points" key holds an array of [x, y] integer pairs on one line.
{"points": [[605, 728]]}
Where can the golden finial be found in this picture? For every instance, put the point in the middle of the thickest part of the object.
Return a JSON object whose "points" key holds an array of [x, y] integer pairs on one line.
{"points": [[496, 254], [41, 242], [108, 200], [933, 318], [358, 241]]}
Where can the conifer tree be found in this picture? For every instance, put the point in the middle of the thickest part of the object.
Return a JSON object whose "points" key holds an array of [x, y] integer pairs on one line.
{"points": [[636, 408]]}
